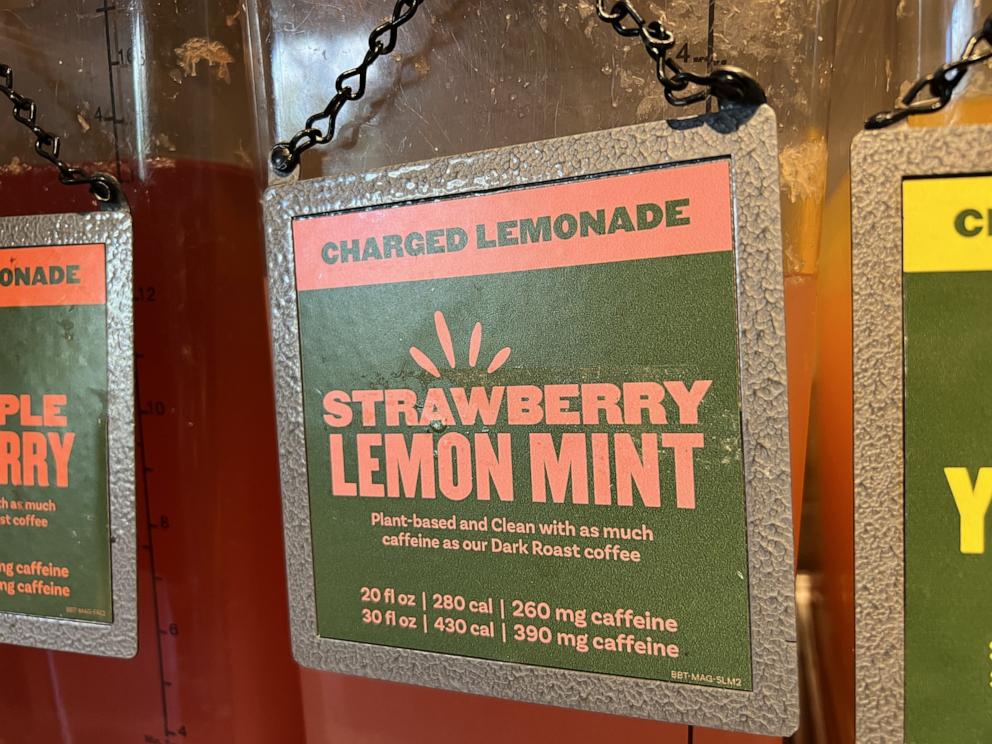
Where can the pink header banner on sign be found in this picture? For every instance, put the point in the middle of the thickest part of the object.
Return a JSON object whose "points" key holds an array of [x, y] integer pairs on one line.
{"points": [[666, 211]]}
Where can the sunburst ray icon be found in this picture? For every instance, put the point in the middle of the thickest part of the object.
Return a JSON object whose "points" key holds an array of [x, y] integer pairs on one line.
{"points": [[447, 346]]}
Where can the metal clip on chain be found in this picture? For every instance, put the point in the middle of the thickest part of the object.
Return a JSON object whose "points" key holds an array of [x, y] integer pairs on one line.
{"points": [[104, 187], [350, 86], [940, 84], [726, 84]]}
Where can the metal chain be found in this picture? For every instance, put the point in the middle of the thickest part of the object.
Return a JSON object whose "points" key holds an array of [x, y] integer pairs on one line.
{"points": [[350, 86], [725, 83], [940, 84], [104, 187]]}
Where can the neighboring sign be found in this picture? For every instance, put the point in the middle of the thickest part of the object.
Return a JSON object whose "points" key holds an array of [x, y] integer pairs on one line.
{"points": [[522, 409], [54, 504], [947, 250], [923, 463], [57, 536]]}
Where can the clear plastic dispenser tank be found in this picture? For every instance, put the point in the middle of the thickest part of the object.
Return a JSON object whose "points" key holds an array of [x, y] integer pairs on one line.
{"points": [[157, 93], [882, 49], [468, 76]]}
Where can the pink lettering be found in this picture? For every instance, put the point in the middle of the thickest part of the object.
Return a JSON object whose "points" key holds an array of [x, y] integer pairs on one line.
{"points": [[550, 469], [597, 397], [688, 400], [337, 411], [556, 404], [643, 396], [401, 403], [368, 465], [454, 455], [524, 405], [476, 403], [492, 466], [405, 468], [685, 475], [340, 486], [368, 399], [436, 408], [642, 470]]}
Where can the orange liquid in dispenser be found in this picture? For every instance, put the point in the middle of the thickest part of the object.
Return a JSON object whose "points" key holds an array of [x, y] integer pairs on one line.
{"points": [[347, 709], [831, 479], [803, 169], [214, 663]]}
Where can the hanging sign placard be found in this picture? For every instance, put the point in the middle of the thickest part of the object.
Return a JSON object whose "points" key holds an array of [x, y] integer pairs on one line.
{"points": [[67, 540], [533, 422], [923, 466], [922, 272]]}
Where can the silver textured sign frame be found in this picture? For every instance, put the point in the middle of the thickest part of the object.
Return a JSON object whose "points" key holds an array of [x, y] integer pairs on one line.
{"points": [[748, 138], [119, 638], [880, 161]]}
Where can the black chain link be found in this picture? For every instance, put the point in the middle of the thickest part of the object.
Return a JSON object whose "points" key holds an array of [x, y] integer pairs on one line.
{"points": [[104, 187], [725, 83], [350, 86], [940, 84]]}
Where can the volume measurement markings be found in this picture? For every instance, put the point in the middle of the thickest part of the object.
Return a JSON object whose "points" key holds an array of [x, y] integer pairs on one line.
{"points": [[115, 57], [162, 632], [710, 54]]}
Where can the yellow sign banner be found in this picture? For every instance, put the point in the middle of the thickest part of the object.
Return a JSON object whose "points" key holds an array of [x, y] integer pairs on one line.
{"points": [[948, 224]]}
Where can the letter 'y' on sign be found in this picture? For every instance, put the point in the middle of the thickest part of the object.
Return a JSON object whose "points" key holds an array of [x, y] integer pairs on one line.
{"points": [[533, 423], [972, 501]]}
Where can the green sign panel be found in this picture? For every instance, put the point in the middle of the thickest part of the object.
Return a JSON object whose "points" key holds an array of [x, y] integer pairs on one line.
{"points": [[948, 454], [523, 426], [54, 510]]}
